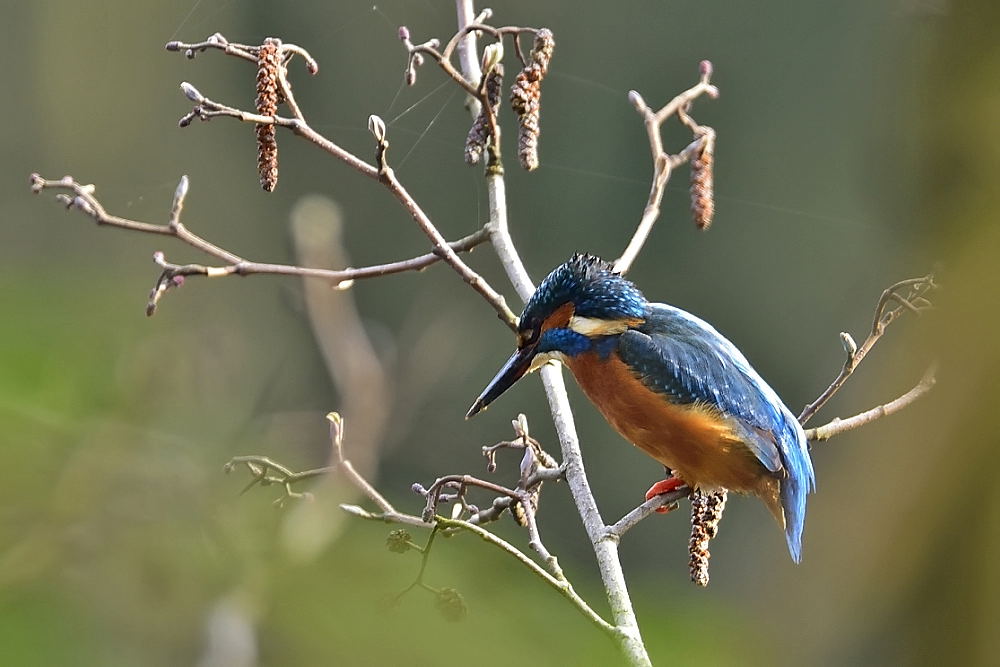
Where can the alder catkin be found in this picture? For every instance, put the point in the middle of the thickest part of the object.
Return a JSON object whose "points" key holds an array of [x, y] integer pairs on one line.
{"points": [[525, 98], [267, 105], [479, 133], [706, 512], [703, 185]]}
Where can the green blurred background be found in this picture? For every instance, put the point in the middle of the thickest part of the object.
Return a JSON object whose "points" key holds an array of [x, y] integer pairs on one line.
{"points": [[858, 145]]}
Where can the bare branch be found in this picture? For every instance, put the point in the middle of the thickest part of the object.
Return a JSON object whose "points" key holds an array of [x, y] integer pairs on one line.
{"points": [[562, 585], [387, 177], [245, 51], [464, 42], [389, 514], [663, 162], [172, 275], [838, 426], [913, 300], [522, 501], [265, 472], [216, 41], [615, 531], [207, 109]]}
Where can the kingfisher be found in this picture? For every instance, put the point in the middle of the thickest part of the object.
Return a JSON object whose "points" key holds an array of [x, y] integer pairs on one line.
{"points": [[669, 383]]}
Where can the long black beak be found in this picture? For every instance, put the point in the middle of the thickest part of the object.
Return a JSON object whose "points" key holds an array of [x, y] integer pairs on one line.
{"points": [[512, 371]]}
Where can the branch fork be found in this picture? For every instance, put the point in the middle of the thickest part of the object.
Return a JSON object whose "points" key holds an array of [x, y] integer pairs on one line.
{"points": [[702, 144]]}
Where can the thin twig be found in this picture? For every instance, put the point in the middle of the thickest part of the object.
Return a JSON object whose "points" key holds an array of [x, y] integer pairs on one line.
{"points": [[647, 509], [387, 177], [663, 162], [206, 109], [913, 301], [389, 514], [84, 200], [425, 556], [838, 425], [522, 496], [562, 585]]}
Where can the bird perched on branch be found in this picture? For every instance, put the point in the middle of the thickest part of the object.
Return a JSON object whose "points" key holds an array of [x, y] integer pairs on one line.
{"points": [[670, 384]]}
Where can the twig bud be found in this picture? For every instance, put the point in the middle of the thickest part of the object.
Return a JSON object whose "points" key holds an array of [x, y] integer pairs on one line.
{"points": [[182, 189], [178, 204], [82, 204], [267, 105], [377, 127], [492, 55], [173, 46], [404, 33], [850, 347], [189, 54], [191, 93], [635, 99], [705, 69]]}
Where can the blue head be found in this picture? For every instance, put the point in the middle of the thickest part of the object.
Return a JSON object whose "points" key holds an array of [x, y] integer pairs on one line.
{"points": [[579, 307]]}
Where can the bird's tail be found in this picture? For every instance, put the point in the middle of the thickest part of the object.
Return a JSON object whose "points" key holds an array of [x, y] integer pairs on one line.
{"points": [[800, 481]]}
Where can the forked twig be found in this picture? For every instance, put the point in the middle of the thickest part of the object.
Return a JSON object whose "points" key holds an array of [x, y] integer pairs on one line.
{"points": [[913, 300], [838, 425], [83, 199], [663, 162]]}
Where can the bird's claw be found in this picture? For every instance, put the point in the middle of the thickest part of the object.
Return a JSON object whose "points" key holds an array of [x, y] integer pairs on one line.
{"points": [[667, 485]]}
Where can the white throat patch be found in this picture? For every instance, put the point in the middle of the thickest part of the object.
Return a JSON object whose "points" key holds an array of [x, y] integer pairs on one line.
{"points": [[543, 358]]}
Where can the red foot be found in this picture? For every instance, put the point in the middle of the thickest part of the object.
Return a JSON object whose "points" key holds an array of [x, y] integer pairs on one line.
{"points": [[667, 485]]}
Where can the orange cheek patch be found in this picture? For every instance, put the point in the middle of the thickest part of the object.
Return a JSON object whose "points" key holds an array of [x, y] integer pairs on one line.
{"points": [[559, 318]]}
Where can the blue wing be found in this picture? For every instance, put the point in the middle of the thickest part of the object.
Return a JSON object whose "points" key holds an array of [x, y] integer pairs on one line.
{"points": [[680, 355]]}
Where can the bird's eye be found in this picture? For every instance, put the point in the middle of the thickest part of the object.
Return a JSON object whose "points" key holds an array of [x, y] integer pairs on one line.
{"points": [[528, 336]]}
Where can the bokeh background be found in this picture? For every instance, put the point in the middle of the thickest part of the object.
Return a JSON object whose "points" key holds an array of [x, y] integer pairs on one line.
{"points": [[858, 145]]}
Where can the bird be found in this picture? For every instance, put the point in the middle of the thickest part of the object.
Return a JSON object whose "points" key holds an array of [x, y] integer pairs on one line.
{"points": [[670, 384]]}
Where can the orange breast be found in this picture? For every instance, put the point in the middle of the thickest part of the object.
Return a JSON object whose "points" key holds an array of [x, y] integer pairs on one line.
{"points": [[695, 441]]}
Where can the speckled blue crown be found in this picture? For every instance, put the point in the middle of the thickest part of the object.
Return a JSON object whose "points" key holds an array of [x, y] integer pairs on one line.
{"points": [[592, 286]]}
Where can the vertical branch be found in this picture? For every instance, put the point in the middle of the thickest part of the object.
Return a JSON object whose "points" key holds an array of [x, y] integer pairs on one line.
{"points": [[467, 55], [605, 548]]}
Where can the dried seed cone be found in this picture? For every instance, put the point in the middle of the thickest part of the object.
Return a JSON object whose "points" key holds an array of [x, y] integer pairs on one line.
{"points": [[267, 105], [517, 509], [703, 184], [706, 512], [541, 52], [479, 133], [525, 98]]}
